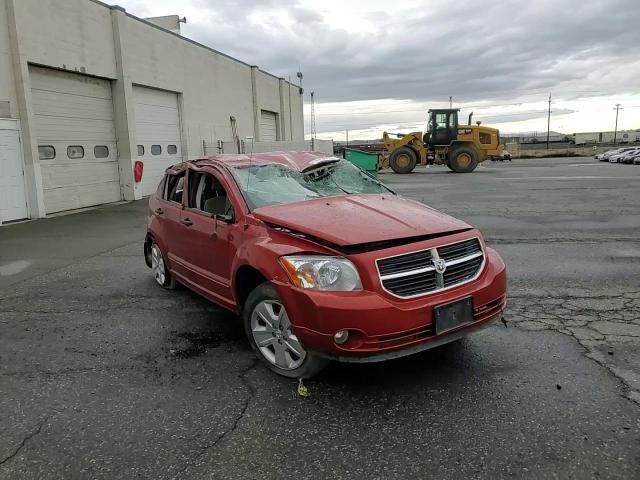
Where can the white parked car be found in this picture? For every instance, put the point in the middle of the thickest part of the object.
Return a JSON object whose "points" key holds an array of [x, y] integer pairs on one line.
{"points": [[613, 155], [630, 156]]}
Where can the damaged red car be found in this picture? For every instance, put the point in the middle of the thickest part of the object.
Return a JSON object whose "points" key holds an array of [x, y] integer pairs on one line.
{"points": [[321, 261]]}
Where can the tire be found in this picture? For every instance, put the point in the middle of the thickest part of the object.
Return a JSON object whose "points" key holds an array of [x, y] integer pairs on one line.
{"points": [[463, 160], [266, 321], [159, 268], [403, 160]]}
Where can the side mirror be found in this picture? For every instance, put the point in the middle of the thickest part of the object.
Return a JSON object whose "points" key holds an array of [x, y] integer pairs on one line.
{"points": [[224, 218]]}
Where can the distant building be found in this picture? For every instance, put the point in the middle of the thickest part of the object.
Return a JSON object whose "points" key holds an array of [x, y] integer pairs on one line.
{"points": [[623, 136]]}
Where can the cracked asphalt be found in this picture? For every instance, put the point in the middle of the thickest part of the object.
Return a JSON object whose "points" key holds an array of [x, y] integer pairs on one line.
{"points": [[105, 375]]}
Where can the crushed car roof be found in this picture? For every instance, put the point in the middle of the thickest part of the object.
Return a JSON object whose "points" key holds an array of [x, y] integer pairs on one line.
{"points": [[300, 161]]}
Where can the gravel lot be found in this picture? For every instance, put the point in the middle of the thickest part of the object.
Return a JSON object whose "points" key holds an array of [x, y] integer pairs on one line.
{"points": [[105, 375]]}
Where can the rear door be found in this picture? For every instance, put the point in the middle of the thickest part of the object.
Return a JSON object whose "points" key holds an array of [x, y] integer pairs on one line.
{"points": [[168, 212], [208, 227]]}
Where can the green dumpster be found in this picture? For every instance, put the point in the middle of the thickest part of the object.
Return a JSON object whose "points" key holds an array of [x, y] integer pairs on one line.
{"points": [[366, 161]]}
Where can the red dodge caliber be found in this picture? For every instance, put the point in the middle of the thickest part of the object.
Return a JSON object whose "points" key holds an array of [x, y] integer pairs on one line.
{"points": [[322, 261]]}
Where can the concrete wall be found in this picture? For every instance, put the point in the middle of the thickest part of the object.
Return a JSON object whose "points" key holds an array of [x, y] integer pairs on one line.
{"points": [[7, 82], [248, 147], [576, 151], [91, 38]]}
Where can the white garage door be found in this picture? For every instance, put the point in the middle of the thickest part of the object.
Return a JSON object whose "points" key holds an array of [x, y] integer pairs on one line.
{"points": [[268, 126], [158, 132], [76, 139], [13, 200]]}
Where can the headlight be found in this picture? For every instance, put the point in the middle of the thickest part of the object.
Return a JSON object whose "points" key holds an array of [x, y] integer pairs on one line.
{"points": [[322, 273]]}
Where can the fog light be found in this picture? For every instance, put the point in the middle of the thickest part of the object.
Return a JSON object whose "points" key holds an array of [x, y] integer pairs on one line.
{"points": [[341, 336]]}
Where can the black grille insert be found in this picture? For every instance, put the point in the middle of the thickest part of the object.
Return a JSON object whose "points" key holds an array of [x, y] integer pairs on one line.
{"points": [[404, 263], [404, 278]]}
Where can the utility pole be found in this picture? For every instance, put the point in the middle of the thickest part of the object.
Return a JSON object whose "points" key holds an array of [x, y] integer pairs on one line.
{"points": [[615, 132], [548, 121], [347, 138], [313, 122], [450, 101]]}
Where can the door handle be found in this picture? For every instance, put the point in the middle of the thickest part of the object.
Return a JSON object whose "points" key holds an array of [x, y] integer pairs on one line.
{"points": [[186, 221], [158, 211]]}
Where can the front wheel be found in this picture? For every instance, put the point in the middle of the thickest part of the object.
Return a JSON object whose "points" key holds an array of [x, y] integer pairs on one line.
{"points": [[403, 160], [271, 335]]}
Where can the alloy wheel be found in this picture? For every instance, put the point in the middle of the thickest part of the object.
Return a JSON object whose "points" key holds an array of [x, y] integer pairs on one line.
{"points": [[272, 333], [157, 265]]}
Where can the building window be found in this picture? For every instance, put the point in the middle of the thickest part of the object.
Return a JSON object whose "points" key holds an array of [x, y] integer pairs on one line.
{"points": [[156, 150], [172, 149], [75, 151], [46, 152], [140, 150], [101, 151]]}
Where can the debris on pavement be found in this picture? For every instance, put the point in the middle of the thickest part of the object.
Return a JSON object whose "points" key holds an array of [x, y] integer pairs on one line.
{"points": [[302, 389]]}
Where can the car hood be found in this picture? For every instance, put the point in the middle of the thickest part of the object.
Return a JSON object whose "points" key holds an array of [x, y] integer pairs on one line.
{"points": [[360, 219]]}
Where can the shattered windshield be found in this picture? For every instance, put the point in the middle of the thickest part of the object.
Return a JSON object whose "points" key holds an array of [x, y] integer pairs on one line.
{"points": [[274, 184]]}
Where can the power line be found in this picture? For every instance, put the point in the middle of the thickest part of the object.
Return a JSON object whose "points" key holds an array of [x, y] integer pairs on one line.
{"points": [[369, 112]]}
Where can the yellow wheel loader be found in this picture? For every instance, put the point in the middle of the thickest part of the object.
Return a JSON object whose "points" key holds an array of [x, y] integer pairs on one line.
{"points": [[459, 147]]}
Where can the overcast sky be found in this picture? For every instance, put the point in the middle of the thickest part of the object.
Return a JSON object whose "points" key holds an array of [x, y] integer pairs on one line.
{"points": [[378, 65]]}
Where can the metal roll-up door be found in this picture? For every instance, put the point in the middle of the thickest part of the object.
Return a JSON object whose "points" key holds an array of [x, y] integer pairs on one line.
{"points": [[76, 137], [268, 126], [158, 133]]}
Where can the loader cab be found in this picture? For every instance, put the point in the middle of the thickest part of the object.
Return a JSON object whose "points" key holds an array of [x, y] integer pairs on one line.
{"points": [[443, 127]]}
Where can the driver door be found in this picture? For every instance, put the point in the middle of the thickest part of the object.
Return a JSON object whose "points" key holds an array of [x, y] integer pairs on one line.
{"points": [[446, 128], [209, 227]]}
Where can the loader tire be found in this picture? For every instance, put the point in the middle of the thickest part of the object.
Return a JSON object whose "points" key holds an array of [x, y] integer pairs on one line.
{"points": [[463, 160], [403, 160]]}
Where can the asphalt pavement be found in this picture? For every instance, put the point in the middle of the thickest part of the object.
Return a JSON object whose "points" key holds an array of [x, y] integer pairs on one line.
{"points": [[105, 375]]}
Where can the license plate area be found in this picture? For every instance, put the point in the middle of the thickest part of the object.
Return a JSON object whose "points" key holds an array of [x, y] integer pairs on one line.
{"points": [[452, 315]]}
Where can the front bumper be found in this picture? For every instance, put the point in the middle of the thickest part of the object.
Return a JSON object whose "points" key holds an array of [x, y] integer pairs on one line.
{"points": [[383, 327]]}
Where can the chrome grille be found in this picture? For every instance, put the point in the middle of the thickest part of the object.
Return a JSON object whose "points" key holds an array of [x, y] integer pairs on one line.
{"points": [[413, 274]]}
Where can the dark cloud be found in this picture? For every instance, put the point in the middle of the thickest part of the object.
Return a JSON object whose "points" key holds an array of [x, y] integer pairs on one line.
{"points": [[496, 51], [467, 49]]}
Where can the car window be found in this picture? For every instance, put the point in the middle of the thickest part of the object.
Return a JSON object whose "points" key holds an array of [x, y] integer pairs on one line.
{"points": [[208, 195], [272, 184], [174, 188]]}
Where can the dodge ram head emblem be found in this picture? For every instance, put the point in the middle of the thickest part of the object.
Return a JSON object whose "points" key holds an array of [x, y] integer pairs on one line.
{"points": [[440, 265]]}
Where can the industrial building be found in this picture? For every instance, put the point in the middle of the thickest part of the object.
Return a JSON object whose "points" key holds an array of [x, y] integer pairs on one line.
{"points": [[622, 136], [86, 90]]}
